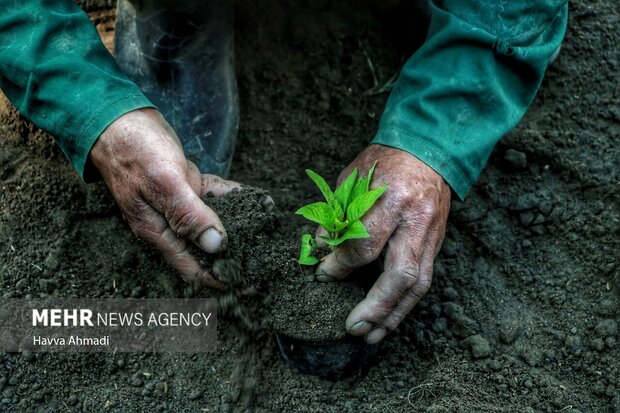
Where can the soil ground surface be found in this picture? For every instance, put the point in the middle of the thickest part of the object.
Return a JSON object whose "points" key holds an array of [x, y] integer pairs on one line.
{"points": [[524, 309]]}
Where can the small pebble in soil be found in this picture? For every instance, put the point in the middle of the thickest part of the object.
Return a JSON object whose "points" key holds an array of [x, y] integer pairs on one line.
{"points": [[526, 218], [51, 261], [525, 202], [606, 328], [495, 365], [450, 293], [21, 284], [573, 343], [38, 396], [479, 346], [137, 292], [509, 331], [451, 309], [28, 356], [463, 326], [597, 344], [47, 284], [605, 308], [136, 382], [449, 248], [515, 159], [610, 342], [440, 325], [195, 394]]}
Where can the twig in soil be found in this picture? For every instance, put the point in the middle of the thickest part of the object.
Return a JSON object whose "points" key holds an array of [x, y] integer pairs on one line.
{"points": [[371, 66], [420, 391], [376, 89], [388, 86]]}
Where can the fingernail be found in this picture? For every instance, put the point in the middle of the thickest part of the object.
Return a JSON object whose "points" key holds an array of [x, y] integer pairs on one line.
{"points": [[376, 335], [211, 241], [323, 277], [360, 328]]}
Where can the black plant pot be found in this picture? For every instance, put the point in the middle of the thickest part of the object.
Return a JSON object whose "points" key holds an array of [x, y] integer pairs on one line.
{"points": [[332, 360]]}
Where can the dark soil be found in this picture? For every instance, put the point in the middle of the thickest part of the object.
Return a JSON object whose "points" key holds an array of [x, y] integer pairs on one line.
{"points": [[523, 313]]}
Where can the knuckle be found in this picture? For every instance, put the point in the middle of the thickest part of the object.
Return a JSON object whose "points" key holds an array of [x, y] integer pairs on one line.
{"points": [[384, 301], [420, 288], [392, 322], [411, 276], [176, 256], [144, 230], [428, 209], [360, 254], [183, 222], [380, 311], [402, 194]]}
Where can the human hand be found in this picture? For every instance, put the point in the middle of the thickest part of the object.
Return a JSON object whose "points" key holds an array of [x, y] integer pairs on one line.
{"points": [[159, 191], [410, 218]]}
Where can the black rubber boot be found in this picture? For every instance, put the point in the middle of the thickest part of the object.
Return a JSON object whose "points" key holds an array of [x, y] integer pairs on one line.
{"points": [[181, 54]]}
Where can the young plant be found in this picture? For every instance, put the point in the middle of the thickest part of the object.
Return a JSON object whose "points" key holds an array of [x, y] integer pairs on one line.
{"points": [[341, 215]]}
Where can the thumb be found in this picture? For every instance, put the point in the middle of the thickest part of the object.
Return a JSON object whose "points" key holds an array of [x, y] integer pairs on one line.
{"points": [[352, 254], [189, 218]]}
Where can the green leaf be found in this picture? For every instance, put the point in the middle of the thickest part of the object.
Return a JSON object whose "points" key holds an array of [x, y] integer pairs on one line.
{"points": [[362, 184], [343, 192], [356, 230], [330, 197], [363, 203], [358, 189], [308, 245], [320, 213], [369, 177], [339, 225]]}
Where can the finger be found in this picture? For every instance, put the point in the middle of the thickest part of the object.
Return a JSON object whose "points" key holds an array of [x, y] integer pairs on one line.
{"points": [[402, 273], [355, 253], [186, 214], [432, 246], [411, 298], [216, 185], [153, 229], [320, 232]]}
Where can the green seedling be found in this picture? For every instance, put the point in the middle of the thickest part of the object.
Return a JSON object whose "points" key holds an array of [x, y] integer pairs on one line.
{"points": [[341, 215]]}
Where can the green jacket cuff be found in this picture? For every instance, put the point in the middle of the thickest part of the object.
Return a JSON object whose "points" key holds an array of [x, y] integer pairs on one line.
{"points": [[470, 83]]}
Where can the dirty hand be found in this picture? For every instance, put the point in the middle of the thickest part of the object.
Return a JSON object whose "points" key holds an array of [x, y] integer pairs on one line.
{"points": [[410, 218], [159, 191]]}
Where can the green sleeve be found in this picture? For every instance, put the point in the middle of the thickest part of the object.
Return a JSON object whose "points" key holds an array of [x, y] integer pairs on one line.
{"points": [[471, 82], [58, 74]]}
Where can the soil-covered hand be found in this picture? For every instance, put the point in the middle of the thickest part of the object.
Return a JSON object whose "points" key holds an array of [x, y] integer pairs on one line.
{"points": [[410, 219], [159, 191]]}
